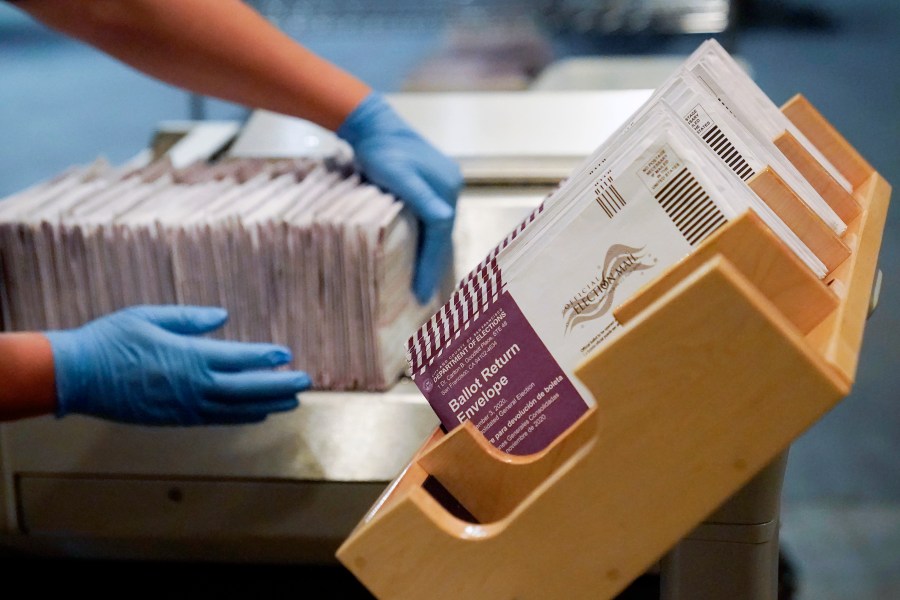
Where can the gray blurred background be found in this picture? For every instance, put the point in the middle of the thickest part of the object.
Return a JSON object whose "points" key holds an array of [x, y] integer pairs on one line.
{"points": [[62, 103]]}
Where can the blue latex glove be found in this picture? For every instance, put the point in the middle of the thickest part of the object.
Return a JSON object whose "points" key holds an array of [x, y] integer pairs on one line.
{"points": [[149, 365], [400, 161]]}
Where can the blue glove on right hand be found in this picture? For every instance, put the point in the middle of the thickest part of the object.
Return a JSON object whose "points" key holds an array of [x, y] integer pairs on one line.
{"points": [[148, 365], [400, 161]]}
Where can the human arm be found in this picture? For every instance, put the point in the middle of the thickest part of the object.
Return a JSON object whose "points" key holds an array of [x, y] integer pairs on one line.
{"points": [[27, 385], [218, 48], [225, 49], [149, 365]]}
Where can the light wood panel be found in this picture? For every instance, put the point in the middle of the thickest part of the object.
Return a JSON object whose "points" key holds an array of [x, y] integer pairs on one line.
{"points": [[800, 218], [833, 146], [840, 200]]}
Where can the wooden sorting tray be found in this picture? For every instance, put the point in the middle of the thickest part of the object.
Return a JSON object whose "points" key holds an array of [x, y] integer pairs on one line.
{"points": [[723, 361]]}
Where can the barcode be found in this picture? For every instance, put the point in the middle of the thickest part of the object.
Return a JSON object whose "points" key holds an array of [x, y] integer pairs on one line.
{"points": [[608, 197], [721, 146], [689, 207]]}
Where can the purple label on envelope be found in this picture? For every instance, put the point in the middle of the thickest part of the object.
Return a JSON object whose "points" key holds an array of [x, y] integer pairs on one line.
{"points": [[498, 374]]}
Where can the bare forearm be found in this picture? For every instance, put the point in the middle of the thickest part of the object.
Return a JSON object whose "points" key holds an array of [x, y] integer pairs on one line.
{"points": [[27, 384], [218, 48]]}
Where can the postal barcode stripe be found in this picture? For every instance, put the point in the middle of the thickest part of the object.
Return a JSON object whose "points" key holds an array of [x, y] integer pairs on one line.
{"points": [[731, 156], [716, 220], [689, 207], [672, 194], [693, 216], [728, 153], [673, 183], [690, 201], [681, 197], [713, 221], [705, 215], [746, 172], [609, 199], [718, 141]]}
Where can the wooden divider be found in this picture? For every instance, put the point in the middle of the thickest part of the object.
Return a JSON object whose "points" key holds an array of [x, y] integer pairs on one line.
{"points": [[800, 218], [840, 200], [833, 146]]}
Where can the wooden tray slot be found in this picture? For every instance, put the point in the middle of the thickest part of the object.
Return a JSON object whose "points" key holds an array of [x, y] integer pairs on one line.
{"points": [[490, 483], [826, 138], [411, 478], [839, 199], [808, 226]]}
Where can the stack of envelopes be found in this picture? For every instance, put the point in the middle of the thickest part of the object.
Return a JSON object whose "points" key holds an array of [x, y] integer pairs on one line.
{"points": [[300, 252]]}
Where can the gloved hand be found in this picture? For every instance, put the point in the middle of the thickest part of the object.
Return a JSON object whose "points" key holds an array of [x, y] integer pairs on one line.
{"points": [[400, 161], [149, 365]]}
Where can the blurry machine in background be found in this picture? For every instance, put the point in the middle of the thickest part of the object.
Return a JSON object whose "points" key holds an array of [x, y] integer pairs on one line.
{"points": [[640, 17], [601, 17], [503, 45]]}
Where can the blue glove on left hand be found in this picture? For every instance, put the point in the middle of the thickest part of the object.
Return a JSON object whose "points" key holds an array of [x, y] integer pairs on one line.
{"points": [[400, 161], [150, 365]]}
